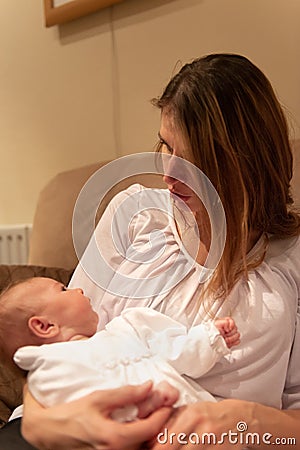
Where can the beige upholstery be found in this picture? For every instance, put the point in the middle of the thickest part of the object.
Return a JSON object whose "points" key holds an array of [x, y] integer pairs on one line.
{"points": [[51, 238], [296, 177], [51, 242]]}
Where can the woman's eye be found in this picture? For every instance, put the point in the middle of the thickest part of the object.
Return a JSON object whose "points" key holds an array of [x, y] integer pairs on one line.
{"points": [[167, 147]]}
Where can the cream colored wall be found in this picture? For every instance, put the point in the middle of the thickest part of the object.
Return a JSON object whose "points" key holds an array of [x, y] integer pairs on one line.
{"points": [[79, 93]]}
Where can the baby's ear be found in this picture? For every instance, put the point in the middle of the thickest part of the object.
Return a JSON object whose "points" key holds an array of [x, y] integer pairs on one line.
{"points": [[41, 327]]}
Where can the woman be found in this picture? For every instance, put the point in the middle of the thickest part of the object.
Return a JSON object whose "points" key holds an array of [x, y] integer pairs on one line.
{"points": [[219, 113]]}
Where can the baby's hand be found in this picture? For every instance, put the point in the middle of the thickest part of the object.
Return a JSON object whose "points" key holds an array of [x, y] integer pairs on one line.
{"points": [[163, 394], [228, 330]]}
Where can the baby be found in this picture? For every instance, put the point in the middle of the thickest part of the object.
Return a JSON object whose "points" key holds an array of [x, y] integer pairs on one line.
{"points": [[52, 333]]}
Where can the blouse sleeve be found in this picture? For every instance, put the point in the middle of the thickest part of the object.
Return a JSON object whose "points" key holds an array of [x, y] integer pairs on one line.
{"points": [[99, 271], [291, 394], [132, 258]]}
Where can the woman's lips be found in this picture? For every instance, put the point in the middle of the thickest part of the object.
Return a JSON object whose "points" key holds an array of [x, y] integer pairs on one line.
{"points": [[181, 196]]}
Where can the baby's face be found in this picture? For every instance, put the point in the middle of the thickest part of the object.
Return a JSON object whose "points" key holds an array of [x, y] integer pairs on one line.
{"points": [[69, 308]]}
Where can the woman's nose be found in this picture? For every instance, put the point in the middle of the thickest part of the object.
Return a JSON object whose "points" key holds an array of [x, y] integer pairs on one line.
{"points": [[171, 169]]}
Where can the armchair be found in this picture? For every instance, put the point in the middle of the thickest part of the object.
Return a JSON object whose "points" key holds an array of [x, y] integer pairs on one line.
{"points": [[52, 252]]}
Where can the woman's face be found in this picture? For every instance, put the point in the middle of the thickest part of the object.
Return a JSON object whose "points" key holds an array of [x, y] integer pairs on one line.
{"points": [[173, 144]]}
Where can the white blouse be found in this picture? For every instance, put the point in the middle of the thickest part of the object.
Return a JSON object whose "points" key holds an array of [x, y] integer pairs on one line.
{"points": [[137, 258]]}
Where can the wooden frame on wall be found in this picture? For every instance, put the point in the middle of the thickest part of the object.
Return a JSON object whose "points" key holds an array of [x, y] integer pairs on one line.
{"points": [[67, 10]]}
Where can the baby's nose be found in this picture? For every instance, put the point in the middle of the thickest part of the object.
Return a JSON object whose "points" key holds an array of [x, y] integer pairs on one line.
{"points": [[79, 290]]}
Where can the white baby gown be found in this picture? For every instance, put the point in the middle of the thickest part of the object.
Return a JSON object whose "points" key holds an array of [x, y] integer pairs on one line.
{"points": [[139, 345]]}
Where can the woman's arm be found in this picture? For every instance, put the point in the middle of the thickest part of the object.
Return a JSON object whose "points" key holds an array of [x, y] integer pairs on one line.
{"points": [[230, 424], [86, 423]]}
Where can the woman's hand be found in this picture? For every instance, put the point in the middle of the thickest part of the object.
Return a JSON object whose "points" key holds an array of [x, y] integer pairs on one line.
{"points": [[86, 423]]}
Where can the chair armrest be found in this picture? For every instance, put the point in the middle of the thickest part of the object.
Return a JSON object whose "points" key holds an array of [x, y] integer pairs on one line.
{"points": [[11, 377]]}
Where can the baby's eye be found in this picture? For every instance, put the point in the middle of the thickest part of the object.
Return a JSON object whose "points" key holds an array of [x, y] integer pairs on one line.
{"points": [[64, 288]]}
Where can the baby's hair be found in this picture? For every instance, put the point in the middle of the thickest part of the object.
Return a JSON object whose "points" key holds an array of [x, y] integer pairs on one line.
{"points": [[4, 299], [10, 318], [13, 284]]}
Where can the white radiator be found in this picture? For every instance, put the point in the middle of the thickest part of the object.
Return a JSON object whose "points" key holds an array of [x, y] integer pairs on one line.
{"points": [[14, 243]]}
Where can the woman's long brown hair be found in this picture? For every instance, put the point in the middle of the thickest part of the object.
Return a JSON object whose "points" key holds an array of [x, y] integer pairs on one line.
{"points": [[236, 132]]}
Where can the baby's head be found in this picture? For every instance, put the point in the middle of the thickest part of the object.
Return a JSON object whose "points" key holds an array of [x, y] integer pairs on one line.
{"points": [[41, 311]]}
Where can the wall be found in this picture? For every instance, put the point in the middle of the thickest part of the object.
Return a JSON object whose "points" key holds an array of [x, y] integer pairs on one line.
{"points": [[79, 93]]}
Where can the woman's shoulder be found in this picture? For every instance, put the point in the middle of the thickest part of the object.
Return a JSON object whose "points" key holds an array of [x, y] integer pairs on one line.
{"points": [[280, 270], [282, 259], [283, 251], [130, 190], [272, 289], [142, 197], [139, 189]]}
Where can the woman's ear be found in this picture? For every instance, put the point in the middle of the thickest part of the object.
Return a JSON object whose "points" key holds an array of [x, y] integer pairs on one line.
{"points": [[41, 327]]}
